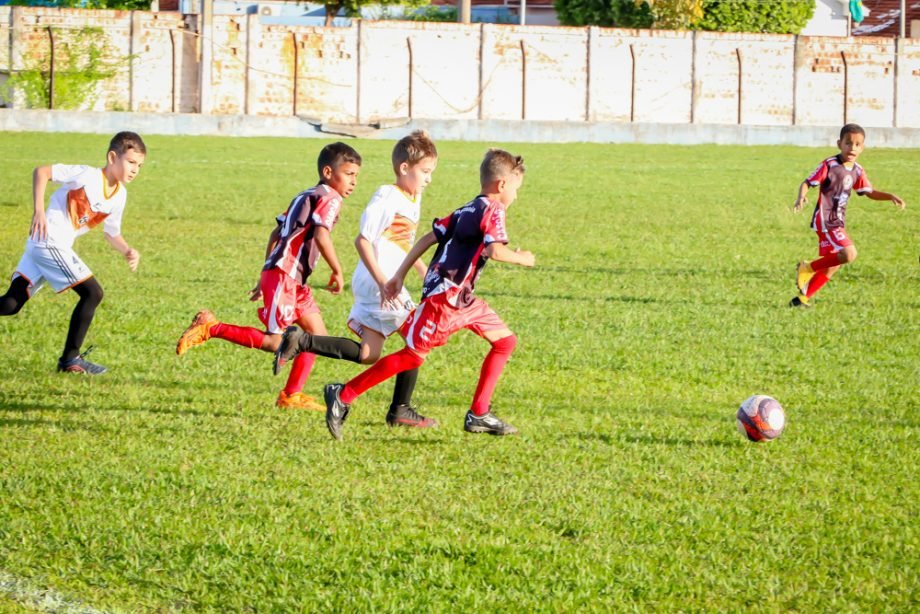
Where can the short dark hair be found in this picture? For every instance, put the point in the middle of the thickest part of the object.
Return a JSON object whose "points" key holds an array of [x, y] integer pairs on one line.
{"points": [[413, 148], [852, 129], [123, 141], [336, 154], [499, 163]]}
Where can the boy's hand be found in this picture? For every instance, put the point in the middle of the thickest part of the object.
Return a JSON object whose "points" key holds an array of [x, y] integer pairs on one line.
{"points": [[39, 228], [256, 293], [799, 203], [336, 281], [898, 202], [525, 258], [392, 288], [134, 258]]}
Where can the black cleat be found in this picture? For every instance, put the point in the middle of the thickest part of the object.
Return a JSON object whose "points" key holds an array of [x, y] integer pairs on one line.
{"points": [[487, 423], [81, 365], [288, 349], [798, 302], [336, 411], [404, 415]]}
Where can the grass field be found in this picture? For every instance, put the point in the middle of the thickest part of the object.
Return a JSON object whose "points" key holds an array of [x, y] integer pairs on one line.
{"points": [[657, 305]]}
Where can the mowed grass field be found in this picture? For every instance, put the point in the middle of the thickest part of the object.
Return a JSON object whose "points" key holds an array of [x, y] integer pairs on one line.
{"points": [[657, 305]]}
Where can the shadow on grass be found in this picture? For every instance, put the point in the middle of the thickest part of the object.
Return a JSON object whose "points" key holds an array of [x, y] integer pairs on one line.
{"points": [[609, 439]]}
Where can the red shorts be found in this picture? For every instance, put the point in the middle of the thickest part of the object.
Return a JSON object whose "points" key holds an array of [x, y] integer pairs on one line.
{"points": [[285, 301], [435, 320], [832, 241]]}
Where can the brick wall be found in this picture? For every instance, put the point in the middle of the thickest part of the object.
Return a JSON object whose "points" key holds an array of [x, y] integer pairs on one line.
{"points": [[380, 70]]}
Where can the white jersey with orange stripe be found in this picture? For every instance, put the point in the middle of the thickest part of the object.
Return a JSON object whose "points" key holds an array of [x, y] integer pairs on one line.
{"points": [[389, 224], [82, 202]]}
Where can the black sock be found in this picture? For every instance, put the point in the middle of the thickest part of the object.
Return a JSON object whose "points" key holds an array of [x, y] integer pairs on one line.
{"points": [[331, 347], [90, 293], [15, 297], [404, 387]]}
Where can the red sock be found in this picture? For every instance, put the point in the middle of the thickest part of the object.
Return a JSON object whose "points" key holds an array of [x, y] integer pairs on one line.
{"points": [[300, 371], [492, 368], [241, 335], [385, 368], [816, 283], [825, 262]]}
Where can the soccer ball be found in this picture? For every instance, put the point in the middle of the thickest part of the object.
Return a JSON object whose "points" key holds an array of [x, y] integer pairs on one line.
{"points": [[761, 418]]}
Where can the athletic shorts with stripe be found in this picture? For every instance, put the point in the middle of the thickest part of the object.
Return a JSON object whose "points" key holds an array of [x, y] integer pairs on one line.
{"points": [[61, 267], [832, 241], [284, 301], [435, 320]]}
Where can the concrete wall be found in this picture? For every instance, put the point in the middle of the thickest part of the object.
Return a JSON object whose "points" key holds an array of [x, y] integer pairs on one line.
{"points": [[382, 71]]}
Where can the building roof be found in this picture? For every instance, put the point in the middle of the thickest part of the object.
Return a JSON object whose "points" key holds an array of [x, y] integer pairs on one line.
{"points": [[885, 18]]}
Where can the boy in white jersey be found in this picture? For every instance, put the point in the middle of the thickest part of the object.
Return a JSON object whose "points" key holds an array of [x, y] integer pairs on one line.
{"points": [[88, 196], [835, 177], [386, 235]]}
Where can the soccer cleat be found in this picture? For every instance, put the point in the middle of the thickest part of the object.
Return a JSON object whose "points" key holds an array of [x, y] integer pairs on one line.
{"points": [[81, 365], [487, 423], [288, 349], [800, 301], [336, 411], [803, 275], [197, 333], [404, 415], [298, 400]]}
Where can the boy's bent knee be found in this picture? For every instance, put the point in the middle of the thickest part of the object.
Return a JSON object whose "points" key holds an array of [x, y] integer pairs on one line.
{"points": [[505, 345], [847, 255]]}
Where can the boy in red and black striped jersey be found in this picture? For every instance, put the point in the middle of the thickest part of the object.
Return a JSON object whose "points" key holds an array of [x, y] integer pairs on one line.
{"points": [[467, 239], [302, 235], [836, 176]]}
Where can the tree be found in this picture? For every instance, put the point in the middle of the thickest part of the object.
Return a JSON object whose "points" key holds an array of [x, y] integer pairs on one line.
{"points": [[676, 14], [607, 13], [353, 7], [127, 5]]}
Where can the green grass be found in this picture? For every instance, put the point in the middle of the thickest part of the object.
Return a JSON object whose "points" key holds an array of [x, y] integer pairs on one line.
{"points": [[657, 305]]}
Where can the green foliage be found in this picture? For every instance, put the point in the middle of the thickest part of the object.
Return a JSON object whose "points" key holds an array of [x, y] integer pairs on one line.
{"points": [[140, 5], [656, 306], [82, 60], [353, 7], [777, 16], [432, 13], [606, 13], [676, 14]]}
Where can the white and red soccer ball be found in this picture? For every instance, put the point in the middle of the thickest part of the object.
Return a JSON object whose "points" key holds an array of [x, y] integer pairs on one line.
{"points": [[761, 418]]}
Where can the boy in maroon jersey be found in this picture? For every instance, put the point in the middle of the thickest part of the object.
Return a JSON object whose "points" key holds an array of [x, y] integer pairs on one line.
{"points": [[466, 240], [836, 176], [302, 235]]}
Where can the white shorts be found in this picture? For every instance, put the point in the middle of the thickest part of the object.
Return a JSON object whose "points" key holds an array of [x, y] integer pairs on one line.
{"points": [[61, 267], [374, 317]]}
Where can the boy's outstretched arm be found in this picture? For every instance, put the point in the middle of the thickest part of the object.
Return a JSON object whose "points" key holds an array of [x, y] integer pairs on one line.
{"points": [[121, 246], [879, 195], [502, 253], [41, 175], [800, 201], [394, 285], [327, 251]]}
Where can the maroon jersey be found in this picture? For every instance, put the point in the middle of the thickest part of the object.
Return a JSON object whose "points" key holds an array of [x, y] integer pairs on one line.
{"points": [[296, 252], [462, 237], [836, 181]]}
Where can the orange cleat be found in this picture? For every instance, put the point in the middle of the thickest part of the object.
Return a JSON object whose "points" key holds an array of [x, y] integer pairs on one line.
{"points": [[298, 400], [198, 332]]}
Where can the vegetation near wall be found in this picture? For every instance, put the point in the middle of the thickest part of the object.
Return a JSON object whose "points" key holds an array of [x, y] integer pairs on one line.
{"points": [[779, 16]]}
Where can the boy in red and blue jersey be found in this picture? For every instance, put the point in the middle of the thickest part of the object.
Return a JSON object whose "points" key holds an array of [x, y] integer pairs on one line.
{"points": [[302, 235], [837, 176], [467, 239]]}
